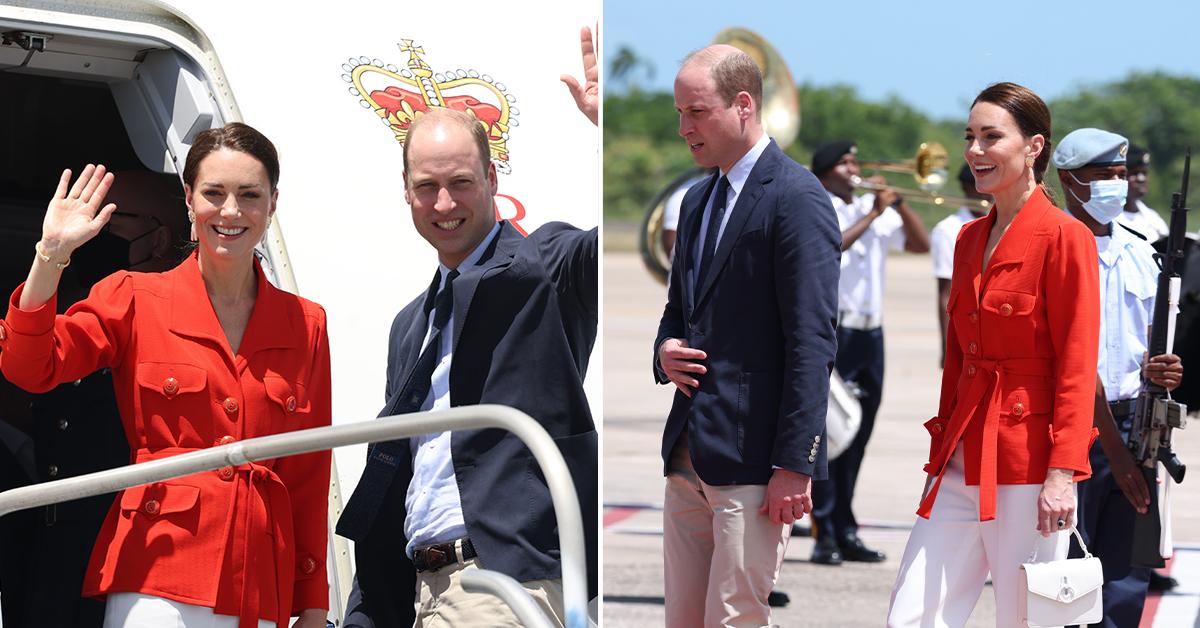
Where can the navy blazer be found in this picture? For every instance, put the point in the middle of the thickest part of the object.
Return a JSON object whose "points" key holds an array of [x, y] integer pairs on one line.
{"points": [[524, 325], [765, 316]]}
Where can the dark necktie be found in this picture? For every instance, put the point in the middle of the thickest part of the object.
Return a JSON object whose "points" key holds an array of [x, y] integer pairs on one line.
{"points": [[714, 227], [420, 381]]}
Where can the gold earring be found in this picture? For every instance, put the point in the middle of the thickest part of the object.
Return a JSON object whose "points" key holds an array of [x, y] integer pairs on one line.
{"points": [[191, 216], [1029, 161]]}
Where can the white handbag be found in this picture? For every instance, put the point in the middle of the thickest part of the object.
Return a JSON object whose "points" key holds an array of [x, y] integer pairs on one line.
{"points": [[1062, 592]]}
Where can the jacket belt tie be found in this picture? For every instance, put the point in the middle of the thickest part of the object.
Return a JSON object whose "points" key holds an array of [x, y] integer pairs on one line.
{"points": [[989, 387], [259, 503]]}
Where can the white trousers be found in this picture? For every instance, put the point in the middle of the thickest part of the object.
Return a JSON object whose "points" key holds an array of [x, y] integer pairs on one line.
{"points": [[137, 610], [949, 555]]}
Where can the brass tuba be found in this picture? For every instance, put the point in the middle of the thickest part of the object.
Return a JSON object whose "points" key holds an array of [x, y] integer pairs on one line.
{"points": [[781, 119]]}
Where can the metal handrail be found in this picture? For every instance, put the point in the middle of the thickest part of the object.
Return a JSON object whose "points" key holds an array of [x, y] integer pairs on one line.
{"points": [[554, 469]]}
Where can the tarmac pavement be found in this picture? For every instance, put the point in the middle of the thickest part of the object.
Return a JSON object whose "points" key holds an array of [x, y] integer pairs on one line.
{"points": [[854, 594]]}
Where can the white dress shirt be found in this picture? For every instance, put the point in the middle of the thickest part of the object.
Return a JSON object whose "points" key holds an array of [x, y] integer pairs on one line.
{"points": [[942, 240], [737, 176], [1145, 221], [433, 503], [860, 290], [1128, 281]]}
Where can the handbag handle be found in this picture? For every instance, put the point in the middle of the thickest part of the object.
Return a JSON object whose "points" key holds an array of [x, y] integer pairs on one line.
{"points": [[1078, 537]]}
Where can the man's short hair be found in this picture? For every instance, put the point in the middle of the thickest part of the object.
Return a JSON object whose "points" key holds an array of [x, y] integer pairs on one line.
{"points": [[463, 119], [732, 73]]}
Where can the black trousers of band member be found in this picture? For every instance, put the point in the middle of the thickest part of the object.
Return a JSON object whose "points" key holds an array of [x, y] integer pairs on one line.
{"points": [[1105, 520], [859, 360]]}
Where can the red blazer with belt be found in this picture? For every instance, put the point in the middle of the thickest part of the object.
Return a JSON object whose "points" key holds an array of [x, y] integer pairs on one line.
{"points": [[1019, 381], [248, 540]]}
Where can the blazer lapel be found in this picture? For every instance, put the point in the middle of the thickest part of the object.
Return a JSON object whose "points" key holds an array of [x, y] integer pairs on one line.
{"points": [[761, 175], [685, 256], [411, 342], [498, 255], [1010, 250]]}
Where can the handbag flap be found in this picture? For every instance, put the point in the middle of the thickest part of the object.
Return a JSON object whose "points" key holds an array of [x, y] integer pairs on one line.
{"points": [[1064, 580]]}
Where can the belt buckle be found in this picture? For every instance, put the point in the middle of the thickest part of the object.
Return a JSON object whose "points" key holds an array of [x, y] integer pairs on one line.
{"points": [[435, 558]]}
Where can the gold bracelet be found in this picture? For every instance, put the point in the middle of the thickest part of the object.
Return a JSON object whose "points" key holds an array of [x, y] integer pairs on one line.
{"points": [[41, 253]]}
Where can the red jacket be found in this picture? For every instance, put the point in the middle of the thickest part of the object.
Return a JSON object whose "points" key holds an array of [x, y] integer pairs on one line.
{"points": [[1019, 382], [249, 540]]}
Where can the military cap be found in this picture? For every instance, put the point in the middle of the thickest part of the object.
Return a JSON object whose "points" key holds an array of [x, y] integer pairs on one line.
{"points": [[1089, 147]]}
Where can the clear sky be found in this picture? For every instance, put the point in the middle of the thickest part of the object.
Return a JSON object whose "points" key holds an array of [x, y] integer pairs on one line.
{"points": [[936, 55]]}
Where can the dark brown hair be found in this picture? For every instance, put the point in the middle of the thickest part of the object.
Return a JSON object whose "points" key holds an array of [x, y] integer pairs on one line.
{"points": [[1032, 117], [233, 136], [466, 120]]}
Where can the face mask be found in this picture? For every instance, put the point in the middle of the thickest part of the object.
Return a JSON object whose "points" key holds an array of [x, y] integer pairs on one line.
{"points": [[1107, 200]]}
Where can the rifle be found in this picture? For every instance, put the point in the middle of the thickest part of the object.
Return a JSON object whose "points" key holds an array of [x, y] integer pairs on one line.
{"points": [[1157, 414]]}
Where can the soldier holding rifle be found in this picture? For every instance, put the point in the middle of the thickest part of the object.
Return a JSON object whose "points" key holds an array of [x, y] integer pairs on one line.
{"points": [[1092, 170]]}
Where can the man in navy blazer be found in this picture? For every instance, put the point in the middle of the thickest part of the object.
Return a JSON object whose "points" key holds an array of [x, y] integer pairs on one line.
{"points": [[506, 320], [747, 337]]}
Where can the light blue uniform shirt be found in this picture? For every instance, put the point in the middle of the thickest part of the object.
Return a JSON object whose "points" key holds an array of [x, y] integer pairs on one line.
{"points": [[433, 503], [1128, 281]]}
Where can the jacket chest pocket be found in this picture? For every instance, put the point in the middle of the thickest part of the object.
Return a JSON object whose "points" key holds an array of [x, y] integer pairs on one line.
{"points": [[172, 396], [1011, 315], [287, 402]]}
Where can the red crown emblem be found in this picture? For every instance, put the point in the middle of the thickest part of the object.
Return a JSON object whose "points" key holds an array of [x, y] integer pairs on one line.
{"points": [[399, 96]]}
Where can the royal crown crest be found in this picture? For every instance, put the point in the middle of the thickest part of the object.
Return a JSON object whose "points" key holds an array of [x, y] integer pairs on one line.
{"points": [[400, 95]]}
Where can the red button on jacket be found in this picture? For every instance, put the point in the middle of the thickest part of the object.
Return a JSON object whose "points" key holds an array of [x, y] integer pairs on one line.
{"points": [[201, 538]]}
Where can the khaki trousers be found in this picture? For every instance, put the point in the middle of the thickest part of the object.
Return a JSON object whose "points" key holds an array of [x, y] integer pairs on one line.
{"points": [[442, 602], [721, 557]]}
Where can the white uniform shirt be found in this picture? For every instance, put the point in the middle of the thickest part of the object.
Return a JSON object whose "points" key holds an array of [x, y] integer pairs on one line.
{"points": [[433, 503], [1145, 221], [942, 240], [860, 290], [1128, 280]]}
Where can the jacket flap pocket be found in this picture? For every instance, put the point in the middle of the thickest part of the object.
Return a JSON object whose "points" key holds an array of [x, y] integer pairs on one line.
{"points": [[1064, 580], [1019, 402], [171, 379], [159, 498], [291, 397], [1008, 303]]}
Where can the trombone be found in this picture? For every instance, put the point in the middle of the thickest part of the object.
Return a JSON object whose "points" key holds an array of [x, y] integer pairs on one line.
{"points": [[929, 168]]}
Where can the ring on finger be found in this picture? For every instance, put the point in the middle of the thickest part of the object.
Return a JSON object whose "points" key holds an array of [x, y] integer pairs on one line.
{"points": [[1062, 523]]}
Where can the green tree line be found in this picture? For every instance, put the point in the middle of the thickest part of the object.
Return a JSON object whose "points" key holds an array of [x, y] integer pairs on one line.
{"points": [[643, 151]]}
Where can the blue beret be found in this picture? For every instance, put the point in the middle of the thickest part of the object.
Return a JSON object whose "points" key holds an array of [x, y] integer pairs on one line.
{"points": [[1089, 147]]}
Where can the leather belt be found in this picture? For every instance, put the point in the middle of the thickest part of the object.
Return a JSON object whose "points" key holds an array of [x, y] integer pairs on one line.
{"points": [[1123, 407], [434, 557], [863, 322]]}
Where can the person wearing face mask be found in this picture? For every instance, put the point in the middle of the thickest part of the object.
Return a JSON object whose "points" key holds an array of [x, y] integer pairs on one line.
{"points": [[1092, 169], [1014, 422], [1137, 215]]}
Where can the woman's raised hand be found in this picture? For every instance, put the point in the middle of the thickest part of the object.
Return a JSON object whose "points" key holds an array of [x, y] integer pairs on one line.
{"points": [[75, 215]]}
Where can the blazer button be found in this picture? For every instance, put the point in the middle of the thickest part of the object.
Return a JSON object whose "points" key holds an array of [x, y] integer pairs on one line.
{"points": [[62, 424], [812, 458], [937, 428], [171, 386], [3, 334], [52, 470], [291, 404], [225, 473], [971, 370], [224, 440], [974, 316], [231, 405], [308, 566], [151, 507], [817, 438], [1018, 408], [1006, 309], [973, 348]]}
